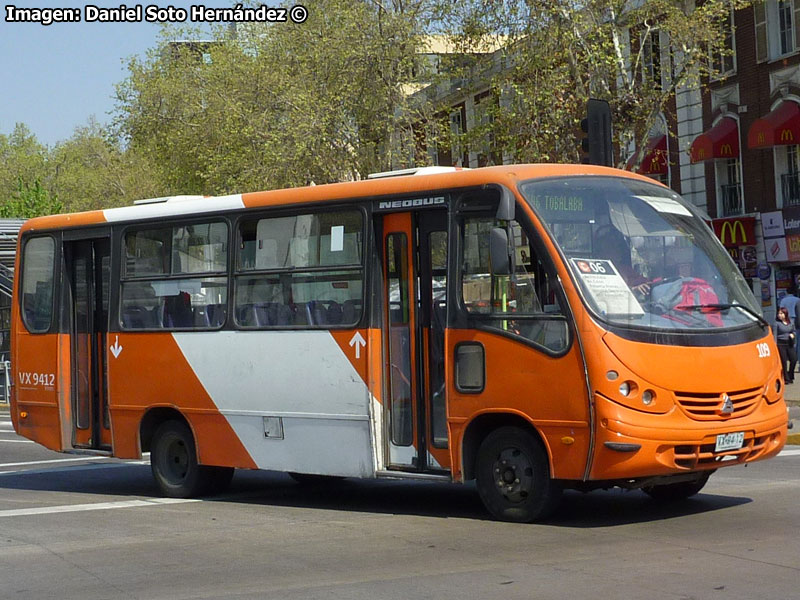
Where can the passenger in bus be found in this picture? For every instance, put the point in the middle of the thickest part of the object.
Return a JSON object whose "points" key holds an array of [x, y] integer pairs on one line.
{"points": [[610, 244]]}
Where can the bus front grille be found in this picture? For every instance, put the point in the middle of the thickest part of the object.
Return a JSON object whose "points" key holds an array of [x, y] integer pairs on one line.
{"points": [[693, 456], [708, 406]]}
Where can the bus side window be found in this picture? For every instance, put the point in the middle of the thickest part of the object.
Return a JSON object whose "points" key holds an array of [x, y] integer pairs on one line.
{"points": [[153, 298], [38, 259], [300, 271], [522, 303]]}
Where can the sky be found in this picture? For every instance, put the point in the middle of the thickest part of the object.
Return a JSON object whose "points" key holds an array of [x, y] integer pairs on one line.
{"points": [[54, 78]]}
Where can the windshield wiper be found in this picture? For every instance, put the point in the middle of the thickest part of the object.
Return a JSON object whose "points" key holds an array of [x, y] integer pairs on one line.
{"points": [[722, 307]]}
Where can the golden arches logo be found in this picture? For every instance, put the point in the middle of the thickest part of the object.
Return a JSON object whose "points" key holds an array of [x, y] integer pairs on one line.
{"points": [[761, 137], [730, 228], [787, 135], [725, 150], [701, 153]]}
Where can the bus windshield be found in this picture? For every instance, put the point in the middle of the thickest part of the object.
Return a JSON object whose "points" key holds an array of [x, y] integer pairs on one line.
{"points": [[641, 255]]}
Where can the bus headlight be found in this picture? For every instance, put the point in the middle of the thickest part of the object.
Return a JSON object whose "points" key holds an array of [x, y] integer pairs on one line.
{"points": [[625, 388]]}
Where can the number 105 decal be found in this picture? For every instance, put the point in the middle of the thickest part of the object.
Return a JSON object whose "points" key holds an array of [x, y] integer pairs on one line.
{"points": [[763, 350]]}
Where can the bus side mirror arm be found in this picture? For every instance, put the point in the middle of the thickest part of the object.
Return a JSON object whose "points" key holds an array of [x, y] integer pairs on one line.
{"points": [[507, 205]]}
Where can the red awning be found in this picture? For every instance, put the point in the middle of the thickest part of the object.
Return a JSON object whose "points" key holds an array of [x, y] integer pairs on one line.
{"points": [[654, 161], [721, 141], [780, 127]]}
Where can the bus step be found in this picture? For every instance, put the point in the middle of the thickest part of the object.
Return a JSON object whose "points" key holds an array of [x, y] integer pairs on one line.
{"points": [[412, 475]]}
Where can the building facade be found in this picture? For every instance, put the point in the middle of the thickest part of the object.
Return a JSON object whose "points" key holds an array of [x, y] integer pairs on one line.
{"points": [[749, 148]]}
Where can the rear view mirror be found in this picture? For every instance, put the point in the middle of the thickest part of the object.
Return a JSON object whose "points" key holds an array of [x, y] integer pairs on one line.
{"points": [[498, 252]]}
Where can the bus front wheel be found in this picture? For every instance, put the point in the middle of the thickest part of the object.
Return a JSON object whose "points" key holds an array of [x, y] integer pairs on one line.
{"points": [[173, 460], [513, 477]]}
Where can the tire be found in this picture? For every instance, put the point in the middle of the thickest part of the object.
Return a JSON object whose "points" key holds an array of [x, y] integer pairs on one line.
{"points": [[513, 477], [173, 461], [675, 492]]}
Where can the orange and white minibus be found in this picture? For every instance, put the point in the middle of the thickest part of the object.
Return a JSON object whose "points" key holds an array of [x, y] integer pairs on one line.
{"points": [[530, 327]]}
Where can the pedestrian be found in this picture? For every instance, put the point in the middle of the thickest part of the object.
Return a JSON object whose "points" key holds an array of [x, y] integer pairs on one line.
{"points": [[792, 305], [785, 332]]}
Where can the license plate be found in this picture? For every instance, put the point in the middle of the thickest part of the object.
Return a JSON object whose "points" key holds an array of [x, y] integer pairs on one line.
{"points": [[729, 441]]}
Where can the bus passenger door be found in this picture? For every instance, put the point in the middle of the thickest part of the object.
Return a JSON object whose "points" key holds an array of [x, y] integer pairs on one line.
{"points": [[414, 270], [88, 263]]}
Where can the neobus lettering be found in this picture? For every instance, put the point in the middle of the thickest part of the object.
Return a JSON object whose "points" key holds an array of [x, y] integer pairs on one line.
{"points": [[416, 202]]}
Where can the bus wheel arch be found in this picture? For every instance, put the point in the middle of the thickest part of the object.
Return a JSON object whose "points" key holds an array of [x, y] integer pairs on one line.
{"points": [[510, 463], [166, 433], [152, 420], [480, 427]]}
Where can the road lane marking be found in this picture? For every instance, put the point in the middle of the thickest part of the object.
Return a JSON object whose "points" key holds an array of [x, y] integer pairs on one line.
{"points": [[48, 510], [16, 442], [57, 460], [792, 452], [72, 468]]}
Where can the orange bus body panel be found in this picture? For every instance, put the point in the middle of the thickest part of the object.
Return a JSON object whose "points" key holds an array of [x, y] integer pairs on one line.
{"points": [[150, 372]]}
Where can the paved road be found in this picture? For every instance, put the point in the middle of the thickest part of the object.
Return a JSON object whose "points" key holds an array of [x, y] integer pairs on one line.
{"points": [[95, 528]]}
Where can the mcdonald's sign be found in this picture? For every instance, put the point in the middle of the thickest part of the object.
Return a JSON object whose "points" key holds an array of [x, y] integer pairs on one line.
{"points": [[725, 150], [735, 232], [787, 135]]}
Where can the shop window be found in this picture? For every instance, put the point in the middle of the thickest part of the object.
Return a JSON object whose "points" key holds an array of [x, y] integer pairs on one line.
{"points": [[790, 177], [729, 190], [776, 25], [724, 62]]}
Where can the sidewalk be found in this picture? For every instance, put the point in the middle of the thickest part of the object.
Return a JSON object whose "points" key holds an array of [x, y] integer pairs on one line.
{"points": [[792, 396]]}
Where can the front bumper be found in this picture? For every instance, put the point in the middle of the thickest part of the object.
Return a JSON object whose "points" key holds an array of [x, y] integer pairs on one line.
{"points": [[678, 444]]}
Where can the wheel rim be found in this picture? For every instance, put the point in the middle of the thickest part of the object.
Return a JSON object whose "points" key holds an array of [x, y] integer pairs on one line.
{"points": [[176, 460], [513, 475]]}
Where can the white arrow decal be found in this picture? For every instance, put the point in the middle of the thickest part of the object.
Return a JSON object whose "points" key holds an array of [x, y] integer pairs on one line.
{"points": [[116, 348], [358, 342]]}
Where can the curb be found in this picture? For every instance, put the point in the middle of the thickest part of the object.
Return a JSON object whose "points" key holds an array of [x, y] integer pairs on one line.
{"points": [[793, 439]]}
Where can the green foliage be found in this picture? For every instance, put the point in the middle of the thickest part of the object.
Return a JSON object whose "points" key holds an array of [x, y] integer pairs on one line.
{"points": [[634, 53], [281, 105], [30, 201]]}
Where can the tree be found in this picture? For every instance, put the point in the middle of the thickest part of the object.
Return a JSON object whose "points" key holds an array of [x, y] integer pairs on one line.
{"points": [[22, 158], [91, 170], [280, 105], [30, 200], [634, 53]]}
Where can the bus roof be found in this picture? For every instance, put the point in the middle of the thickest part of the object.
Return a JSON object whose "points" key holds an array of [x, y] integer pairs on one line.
{"points": [[160, 208]]}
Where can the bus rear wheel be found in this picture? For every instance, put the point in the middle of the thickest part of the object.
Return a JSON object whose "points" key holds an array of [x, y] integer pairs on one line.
{"points": [[674, 492], [513, 477], [173, 461]]}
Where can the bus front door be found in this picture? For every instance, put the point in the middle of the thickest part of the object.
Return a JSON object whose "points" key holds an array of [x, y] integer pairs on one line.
{"points": [[88, 263], [414, 275]]}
